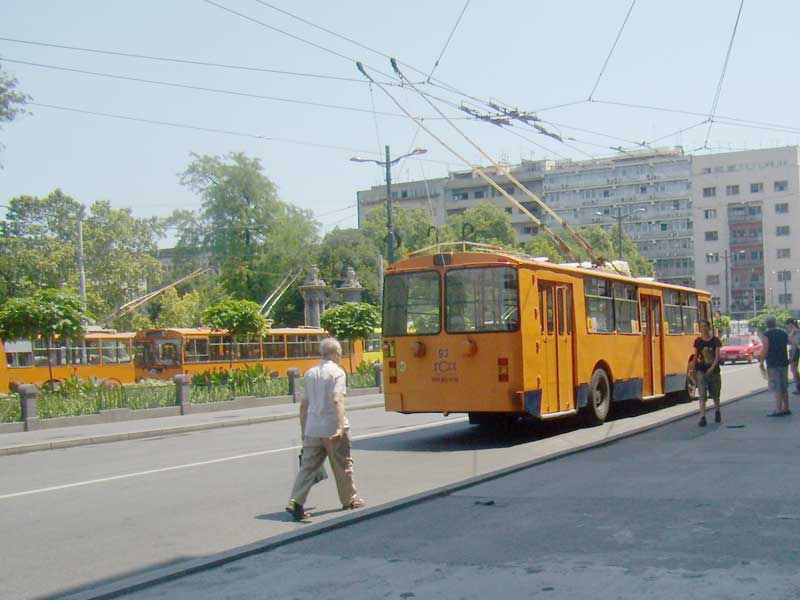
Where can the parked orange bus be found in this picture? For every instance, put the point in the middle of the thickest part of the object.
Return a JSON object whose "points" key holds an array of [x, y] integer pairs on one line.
{"points": [[499, 336], [104, 356], [163, 353]]}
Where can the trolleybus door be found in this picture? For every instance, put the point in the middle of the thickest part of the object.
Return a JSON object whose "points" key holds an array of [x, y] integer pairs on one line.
{"points": [[653, 374], [558, 389]]}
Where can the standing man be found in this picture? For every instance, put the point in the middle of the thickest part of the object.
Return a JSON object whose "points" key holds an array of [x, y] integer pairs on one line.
{"points": [[774, 352], [326, 432], [706, 365], [794, 352]]}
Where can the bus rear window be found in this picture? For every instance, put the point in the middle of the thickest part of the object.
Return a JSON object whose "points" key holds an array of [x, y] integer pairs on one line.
{"points": [[412, 304], [481, 299]]}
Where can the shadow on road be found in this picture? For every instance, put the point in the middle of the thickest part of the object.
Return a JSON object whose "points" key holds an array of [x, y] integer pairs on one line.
{"points": [[462, 436]]}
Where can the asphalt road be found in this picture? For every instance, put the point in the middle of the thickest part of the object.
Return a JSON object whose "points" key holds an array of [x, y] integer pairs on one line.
{"points": [[78, 516]]}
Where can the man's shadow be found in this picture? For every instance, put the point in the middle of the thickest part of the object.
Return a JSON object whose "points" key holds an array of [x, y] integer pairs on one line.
{"points": [[283, 516]]}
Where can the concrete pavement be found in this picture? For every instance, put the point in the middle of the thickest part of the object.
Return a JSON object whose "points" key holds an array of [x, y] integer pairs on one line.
{"points": [[82, 435], [676, 512]]}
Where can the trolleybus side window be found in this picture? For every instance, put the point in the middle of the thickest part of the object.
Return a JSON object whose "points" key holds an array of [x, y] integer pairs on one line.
{"points": [[672, 311], [196, 350], [481, 299], [549, 313], [689, 304], [569, 310], [560, 309], [412, 304], [599, 305], [274, 346], [626, 308]]}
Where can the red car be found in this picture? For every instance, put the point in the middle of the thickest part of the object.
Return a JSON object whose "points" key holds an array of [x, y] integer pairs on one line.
{"points": [[740, 347]]}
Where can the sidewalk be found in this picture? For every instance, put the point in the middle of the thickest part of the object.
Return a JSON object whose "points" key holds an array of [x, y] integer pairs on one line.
{"points": [[81, 435], [676, 512]]}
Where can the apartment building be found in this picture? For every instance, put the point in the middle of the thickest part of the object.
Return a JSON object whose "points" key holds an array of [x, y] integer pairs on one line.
{"points": [[746, 209], [647, 191]]}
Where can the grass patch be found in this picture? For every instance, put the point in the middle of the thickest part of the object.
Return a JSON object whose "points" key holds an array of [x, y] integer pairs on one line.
{"points": [[10, 408]]}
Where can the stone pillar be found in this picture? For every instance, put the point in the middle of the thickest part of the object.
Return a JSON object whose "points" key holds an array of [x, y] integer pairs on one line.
{"points": [[183, 392], [27, 395], [314, 291], [351, 289], [294, 382]]}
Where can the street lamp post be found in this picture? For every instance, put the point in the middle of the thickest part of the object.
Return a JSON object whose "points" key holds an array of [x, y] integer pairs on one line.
{"points": [[388, 164], [619, 217]]}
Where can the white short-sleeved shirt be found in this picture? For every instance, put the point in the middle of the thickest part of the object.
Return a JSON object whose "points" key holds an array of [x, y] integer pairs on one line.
{"points": [[321, 383]]}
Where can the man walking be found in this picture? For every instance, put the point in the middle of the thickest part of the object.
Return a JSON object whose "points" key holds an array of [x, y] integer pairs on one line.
{"points": [[326, 432], [774, 352], [706, 365]]}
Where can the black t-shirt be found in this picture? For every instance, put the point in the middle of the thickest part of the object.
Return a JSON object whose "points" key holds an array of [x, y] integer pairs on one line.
{"points": [[706, 350], [776, 350]]}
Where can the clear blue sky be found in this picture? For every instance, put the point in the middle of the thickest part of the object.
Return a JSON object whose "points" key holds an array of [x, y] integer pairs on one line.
{"points": [[529, 54]]}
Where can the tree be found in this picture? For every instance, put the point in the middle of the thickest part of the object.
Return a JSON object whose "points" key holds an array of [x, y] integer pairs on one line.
{"points": [[781, 314], [238, 317], [342, 248], [351, 321], [179, 311], [38, 249], [603, 243], [249, 235], [12, 101], [46, 314], [412, 228], [486, 224]]}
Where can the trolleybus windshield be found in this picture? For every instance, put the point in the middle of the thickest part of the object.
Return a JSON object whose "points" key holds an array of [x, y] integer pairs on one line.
{"points": [[481, 299], [412, 304]]}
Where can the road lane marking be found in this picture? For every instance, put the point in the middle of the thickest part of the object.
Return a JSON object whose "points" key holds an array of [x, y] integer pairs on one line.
{"points": [[222, 460]]}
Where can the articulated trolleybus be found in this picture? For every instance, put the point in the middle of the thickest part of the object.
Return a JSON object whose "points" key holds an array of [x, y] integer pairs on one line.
{"points": [[499, 336]]}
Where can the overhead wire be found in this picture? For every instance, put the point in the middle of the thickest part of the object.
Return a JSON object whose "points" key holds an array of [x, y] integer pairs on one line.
{"points": [[199, 88], [184, 61], [211, 130], [475, 168], [449, 37], [722, 75], [507, 173], [610, 52]]}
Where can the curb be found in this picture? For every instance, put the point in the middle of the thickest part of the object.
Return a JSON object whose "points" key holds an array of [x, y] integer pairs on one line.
{"points": [[137, 435], [162, 575]]}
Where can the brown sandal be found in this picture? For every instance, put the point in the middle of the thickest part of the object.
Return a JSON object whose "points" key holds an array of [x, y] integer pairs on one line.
{"points": [[297, 511], [354, 503]]}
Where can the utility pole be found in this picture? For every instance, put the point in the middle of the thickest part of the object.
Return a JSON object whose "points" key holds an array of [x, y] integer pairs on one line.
{"points": [[81, 271], [388, 163], [389, 221]]}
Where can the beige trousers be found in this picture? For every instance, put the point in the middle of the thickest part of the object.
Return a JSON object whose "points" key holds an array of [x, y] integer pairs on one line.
{"points": [[314, 452]]}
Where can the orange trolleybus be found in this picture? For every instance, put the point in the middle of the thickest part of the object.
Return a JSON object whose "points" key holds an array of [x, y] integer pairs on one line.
{"points": [[498, 336], [104, 356], [163, 353]]}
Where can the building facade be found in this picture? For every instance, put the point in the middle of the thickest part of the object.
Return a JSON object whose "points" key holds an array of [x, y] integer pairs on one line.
{"points": [[746, 209], [647, 191]]}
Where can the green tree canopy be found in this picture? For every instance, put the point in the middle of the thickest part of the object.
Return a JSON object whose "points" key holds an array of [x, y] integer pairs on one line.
{"points": [[238, 317], [342, 248], [248, 234], [46, 314], [174, 310], [780, 313], [411, 228], [12, 100], [486, 224], [351, 321], [38, 249]]}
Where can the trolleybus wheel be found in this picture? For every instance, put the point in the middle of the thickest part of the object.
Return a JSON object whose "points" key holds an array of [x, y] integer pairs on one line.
{"points": [[599, 398], [690, 392]]}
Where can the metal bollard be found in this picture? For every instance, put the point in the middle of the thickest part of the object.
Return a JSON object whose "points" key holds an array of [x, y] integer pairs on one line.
{"points": [[294, 386], [378, 376], [183, 392], [27, 394]]}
